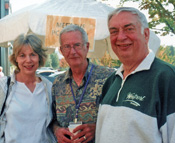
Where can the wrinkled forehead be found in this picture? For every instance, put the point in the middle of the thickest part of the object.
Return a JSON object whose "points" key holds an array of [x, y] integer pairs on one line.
{"points": [[139, 18], [123, 19], [127, 14], [71, 37]]}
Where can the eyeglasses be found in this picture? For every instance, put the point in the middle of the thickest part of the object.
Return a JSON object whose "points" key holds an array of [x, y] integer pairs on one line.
{"points": [[66, 48]]}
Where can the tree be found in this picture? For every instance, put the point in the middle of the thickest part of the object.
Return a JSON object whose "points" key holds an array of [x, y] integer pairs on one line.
{"points": [[52, 61], [55, 60], [107, 61], [159, 13], [48, 62], [167, 54]]}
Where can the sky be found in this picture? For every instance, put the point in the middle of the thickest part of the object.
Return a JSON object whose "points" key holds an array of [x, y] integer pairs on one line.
{"points": [[19, 4]]}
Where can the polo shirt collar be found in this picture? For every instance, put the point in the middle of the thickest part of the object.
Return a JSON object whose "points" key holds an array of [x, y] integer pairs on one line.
{"points": [[144, 65]]}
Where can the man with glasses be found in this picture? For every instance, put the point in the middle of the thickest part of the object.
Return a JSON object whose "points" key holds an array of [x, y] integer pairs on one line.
{"points": [[76, 93]]}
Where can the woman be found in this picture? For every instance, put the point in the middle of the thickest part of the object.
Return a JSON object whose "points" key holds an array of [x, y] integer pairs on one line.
{"points": [[27, 113]]}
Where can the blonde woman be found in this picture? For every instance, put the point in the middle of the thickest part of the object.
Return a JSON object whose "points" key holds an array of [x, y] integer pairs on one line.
{"points": [[27, 112]]}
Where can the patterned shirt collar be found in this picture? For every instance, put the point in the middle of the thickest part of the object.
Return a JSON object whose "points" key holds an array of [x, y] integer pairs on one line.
{"points": [[68, 74]]}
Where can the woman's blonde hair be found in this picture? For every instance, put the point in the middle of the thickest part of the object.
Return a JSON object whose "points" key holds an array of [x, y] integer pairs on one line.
{"points": [[36, 45]]}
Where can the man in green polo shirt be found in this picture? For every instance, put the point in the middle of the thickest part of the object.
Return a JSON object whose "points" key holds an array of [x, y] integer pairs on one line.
{"points": [[138, 104]]}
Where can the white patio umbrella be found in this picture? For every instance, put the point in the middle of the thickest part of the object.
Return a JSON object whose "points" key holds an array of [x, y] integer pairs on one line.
{"points": [[32, 19]]}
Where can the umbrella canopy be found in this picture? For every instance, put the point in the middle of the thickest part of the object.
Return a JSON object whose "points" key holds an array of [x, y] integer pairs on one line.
{"points": [[33, 19]]}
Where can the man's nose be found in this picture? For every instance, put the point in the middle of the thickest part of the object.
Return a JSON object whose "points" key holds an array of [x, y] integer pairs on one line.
{"points": [[121, 35], [72, 49]]}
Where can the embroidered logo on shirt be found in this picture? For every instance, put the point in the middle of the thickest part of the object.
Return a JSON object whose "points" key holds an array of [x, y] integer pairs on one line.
{"points": [[133, 98]]}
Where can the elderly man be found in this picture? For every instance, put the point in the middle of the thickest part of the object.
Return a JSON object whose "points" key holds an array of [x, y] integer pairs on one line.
{"points": [[138, 100], [76, 93]]}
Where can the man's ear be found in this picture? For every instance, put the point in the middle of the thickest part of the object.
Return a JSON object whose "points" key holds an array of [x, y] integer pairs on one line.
{"points": [[87, 45], [146, 34]]}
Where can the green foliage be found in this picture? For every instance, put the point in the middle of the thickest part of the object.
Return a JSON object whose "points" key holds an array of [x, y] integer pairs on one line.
{"points": [[48, 62], [107, 61], [167, 54], [52, 61], [55, 60], [159, 14], [116, 63]]}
